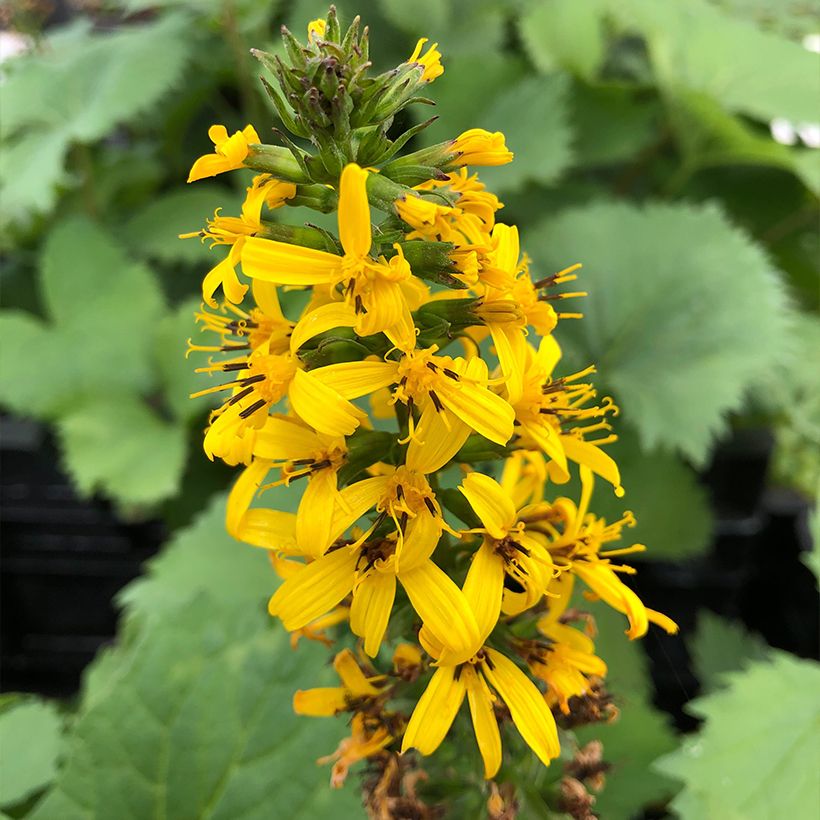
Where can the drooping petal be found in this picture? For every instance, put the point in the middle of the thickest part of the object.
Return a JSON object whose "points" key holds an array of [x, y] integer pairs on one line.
{"points": [[354, 211], [528, 709], [321, 406], [510, 347], [314, 590], [421, 538], [385, 308], [583, 452], [321, 702], [352, 676], [224, 275], [610, 589], [354, 501], [285, 264], [443, 609], [487, 413], [269, 529], [266, 297], [485, 725], [663, 621], [549, 354], [314, 518], [549, 440], [282, 439], [242, 493], [490, 503], [484, 587], [370, 612], [326, 317], [434, 442], [355, 379], [435, 712]]}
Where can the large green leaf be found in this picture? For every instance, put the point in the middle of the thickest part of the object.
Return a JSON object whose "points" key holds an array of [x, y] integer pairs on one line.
{"points": [[533, 114], [696, 46], [203, 558], [720, 646], [76, 87], [759, 752], [683, 315], [118, 446], [564, 34], [154, 231], [674, 519], [30, 743], [639, 735], [196, 721]]}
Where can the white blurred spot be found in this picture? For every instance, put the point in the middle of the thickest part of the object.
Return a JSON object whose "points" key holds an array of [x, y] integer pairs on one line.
{"points": [[810, 134], [783, 132], [812, 42], [11, 44]]}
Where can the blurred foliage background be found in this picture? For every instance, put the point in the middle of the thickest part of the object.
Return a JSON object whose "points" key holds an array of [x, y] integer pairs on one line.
{"points": [[672, 148]]}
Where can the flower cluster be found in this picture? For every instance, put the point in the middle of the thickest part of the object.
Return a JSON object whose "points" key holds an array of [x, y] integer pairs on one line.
{"points": [[403, 374]]}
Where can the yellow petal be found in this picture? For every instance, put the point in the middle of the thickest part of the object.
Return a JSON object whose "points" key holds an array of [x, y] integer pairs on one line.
{"points": [[321, 702], [354, 501], [282, 439], [490, 503], [385, 308], [285, 264], [582, 452], [314, 590], [443, 609], [352, 676], [269, 529], [354, 211], [322, 407], [549, 354], [314, 517], [243, 492], [434, 442], [209, 165], [511, 349], [355, 379], [435, 712], [528, 709], [266, 297], [370, 612], [549, 440], [487, 413], [609, 587], [484, 723], [224, 276], [663, 621], [484, 587], [420, 540], [326, 317]]}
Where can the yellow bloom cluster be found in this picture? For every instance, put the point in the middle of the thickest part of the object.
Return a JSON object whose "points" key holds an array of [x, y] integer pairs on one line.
{"points": [[427, 311]]}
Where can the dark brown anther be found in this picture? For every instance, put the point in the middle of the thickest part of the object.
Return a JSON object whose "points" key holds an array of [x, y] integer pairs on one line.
{"points": [[240, 395], [227, 368], [450, 373], [249, 411], [433, 366], [320, 465], [436, 402], [399, 492], [428, 502], [228, 348], [259, 377]]}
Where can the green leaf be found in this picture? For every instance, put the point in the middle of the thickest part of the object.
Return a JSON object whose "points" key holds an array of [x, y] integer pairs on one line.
{"points": [[203, 558], [639, 735], [154, 231], [175, 370], [759, 752], [564, 34], [674, 519], [104, 306], [792, 19], [695, 46], [628, 119], [720, 646], [30, 744], [197, 722], [77, 87], [533, 114], [431, 15], [683, 315], [117, 446]]}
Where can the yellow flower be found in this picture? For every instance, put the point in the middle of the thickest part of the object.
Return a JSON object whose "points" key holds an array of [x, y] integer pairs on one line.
{"points": [[377, 292], [330, 700], [233, 231], [229, 152], [551, 413], [480, 147], [512, 569], [575, 538], [430, 61], [368, 737], [316, 29], [487, 678]]}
